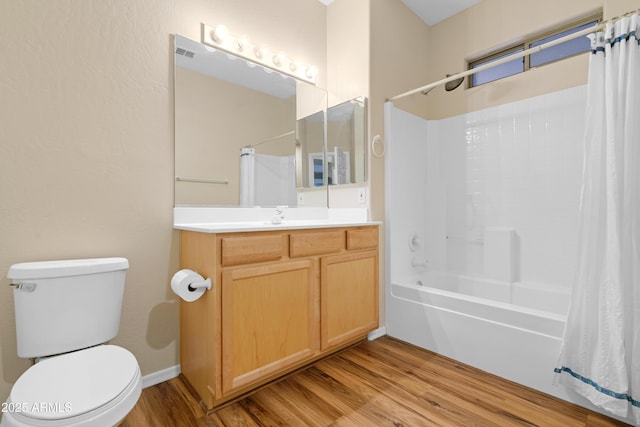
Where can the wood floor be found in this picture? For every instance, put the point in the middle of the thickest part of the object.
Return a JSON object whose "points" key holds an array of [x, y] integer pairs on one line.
{"points": [[379, 383]]}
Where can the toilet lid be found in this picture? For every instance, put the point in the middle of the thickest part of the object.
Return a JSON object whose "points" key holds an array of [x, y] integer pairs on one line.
{"points": [[73, 384]]}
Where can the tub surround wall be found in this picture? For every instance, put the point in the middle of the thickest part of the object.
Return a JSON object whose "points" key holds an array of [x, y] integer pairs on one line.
{"points": [[492, 193], [513, 176]]}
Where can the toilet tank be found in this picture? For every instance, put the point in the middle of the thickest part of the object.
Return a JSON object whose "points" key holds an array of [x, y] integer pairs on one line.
{"points": [[62, 306]]}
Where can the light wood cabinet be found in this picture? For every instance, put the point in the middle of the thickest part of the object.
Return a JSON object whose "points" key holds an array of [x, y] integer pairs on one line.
{"points": [[269, 320], [279, 300], [349, 297]]}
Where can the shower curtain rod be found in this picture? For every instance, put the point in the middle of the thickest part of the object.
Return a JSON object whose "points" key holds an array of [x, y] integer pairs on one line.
{"points": [[273, 138], [500, 61]]}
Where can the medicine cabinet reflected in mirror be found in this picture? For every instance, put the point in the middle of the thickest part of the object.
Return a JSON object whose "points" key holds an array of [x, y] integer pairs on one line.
{"points": [[242, 132], [346, 142], [344, 160], [310, 151]]}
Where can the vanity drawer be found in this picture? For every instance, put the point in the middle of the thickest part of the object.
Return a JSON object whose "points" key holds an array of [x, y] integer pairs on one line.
{"points": [[250, 249], [363, 238], [317, 243]]}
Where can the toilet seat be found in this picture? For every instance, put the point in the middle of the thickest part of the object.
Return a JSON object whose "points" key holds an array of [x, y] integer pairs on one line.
{"points": [[99, 385]]}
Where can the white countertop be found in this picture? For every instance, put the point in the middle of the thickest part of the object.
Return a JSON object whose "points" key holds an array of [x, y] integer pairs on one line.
{"points": [[228, 220], [229, 227]]}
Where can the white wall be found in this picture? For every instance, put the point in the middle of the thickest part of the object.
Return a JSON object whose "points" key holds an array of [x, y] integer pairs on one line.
{"points": [[517, 166], [406, 160]]}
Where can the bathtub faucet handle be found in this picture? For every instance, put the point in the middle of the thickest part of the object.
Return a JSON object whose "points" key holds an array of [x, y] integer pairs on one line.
{"points": [[414, 242]]}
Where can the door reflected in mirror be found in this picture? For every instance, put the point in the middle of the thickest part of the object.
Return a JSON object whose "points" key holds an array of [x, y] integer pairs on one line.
{"points": [[238, 125]]}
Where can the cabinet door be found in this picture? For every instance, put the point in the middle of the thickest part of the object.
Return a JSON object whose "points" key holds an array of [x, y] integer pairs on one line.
{"points": [[348, 296], [269, 320]]}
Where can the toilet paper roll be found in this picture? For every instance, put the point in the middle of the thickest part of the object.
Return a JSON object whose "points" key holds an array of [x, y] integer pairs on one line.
{"points": [[181, 281]]}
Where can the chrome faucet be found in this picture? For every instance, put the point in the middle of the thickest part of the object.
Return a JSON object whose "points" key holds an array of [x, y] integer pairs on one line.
{"points": [[278, 216]]}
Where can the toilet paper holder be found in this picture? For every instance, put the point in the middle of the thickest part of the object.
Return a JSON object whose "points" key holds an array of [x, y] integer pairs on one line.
{"points": [[199, 285], [189, 285]]}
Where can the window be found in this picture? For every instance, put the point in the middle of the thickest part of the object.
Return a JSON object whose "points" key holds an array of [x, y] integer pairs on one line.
{"points": [[536, 59], [562, 50], [506, 69]]}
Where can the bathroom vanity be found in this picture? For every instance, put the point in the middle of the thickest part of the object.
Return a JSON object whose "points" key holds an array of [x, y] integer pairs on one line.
{"points": [[282, 297], [292, 280]]}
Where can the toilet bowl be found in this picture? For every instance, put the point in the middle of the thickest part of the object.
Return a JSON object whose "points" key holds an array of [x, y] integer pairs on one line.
{"points": [[93, 387], [66, 313]]}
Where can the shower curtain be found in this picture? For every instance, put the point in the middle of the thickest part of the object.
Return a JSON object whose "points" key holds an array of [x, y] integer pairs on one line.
{"points": [[247, 176], [600, 356], [267, 180]]}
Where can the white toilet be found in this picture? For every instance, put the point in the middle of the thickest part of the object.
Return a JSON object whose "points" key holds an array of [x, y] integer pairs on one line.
{"points": [[65, 313]]}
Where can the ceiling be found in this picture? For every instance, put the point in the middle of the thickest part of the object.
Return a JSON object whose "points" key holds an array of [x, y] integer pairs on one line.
{"points": [[433, 11]]}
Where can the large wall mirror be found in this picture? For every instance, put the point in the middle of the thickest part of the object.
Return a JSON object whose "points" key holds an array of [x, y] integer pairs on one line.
{"points": [[244, 134]]}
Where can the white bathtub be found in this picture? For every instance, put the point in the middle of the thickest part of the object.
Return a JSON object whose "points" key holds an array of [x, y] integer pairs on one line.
{"points": [[513, 331]]}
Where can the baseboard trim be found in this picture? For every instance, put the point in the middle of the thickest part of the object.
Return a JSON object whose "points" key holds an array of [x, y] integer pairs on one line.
{"points": [[160, 376], [173, 371], [377, 333]]}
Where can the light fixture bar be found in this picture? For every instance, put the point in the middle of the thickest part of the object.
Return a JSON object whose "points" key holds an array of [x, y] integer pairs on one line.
{"points": [[218, 37]]}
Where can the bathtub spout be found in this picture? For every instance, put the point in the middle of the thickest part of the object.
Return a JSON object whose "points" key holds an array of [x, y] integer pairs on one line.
{"points": [[416, 263]]}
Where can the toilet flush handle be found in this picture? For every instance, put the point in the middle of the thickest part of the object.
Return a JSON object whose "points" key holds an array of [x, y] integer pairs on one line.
{"points": [[28, 287]]}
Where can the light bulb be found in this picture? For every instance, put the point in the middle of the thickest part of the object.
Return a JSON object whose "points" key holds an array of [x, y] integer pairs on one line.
{"points": [[278, 59], [219, 34], [311, 72], [242, 43]]}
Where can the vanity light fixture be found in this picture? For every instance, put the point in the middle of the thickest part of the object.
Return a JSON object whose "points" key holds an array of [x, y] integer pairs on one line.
{"points": [[218, 37]]}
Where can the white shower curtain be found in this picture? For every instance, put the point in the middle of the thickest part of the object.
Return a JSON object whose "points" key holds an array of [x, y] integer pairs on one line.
{"points": [[600, 357], [247, 176], [267, 180], [275, 180]]}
